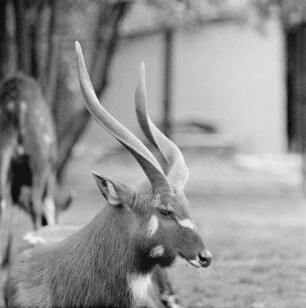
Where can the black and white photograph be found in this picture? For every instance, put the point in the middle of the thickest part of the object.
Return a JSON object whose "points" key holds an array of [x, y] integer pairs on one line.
{"points": [[152, 153]]}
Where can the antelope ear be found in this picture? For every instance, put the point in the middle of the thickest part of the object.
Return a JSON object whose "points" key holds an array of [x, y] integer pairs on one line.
{"points": [[114, 192]]}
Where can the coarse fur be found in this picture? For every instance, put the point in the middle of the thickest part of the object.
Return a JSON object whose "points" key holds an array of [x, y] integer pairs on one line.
{"points": [[109, 262], [65, 266]]}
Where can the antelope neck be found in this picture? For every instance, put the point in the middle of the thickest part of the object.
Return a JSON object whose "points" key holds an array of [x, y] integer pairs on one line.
{"points": [[99, 258]]}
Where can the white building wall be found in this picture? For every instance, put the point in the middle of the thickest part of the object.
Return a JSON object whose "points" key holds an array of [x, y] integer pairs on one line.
{"points": [[231, 75]]}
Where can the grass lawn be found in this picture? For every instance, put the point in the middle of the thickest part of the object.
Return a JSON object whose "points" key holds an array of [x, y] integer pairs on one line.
{"points": [[259, 254], [257, 242]]}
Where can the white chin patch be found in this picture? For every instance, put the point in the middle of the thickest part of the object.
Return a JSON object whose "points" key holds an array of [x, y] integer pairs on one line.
{"points": [[157, 251], [195, 263], [181, 261]]}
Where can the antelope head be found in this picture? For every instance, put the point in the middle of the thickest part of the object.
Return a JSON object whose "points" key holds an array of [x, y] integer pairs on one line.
{"points": [[159, 225]]}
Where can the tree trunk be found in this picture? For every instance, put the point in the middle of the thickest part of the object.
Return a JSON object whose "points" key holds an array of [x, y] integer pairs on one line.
{"points": [[23, 59], [50, 71], [36, 32], [70, 114], [4, 40], [52, 59]]}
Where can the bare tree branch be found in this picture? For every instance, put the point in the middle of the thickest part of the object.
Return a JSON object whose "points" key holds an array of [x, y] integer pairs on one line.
{"points": [[51, 68], [102, 60], [23, 60], [74, 134], [34, 29], [4, 46], [106, 46]]}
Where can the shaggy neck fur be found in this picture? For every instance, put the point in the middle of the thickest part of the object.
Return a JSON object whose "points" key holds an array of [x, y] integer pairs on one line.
{"points": [[94, 264]]}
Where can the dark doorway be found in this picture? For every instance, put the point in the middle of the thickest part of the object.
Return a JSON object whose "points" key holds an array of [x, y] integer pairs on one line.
{"points": [[296, 87]]}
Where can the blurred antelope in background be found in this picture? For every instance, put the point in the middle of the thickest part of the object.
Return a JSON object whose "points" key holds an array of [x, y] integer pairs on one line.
{"points": [[118, 259], [28, 152]]}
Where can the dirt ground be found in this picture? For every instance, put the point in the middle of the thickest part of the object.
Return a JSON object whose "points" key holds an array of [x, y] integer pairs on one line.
{"points": [[253, 222]]}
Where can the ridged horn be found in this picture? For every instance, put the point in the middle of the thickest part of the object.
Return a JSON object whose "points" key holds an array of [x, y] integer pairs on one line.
{"points": [[145, 158], [178, 172]]}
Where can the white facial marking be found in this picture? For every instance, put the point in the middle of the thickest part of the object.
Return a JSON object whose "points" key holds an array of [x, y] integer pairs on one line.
{"points": [[157, 251], [49, 210], [152, 226], [140, 286], [187, 223], [195, 263], [33, 239], [184, 261]]}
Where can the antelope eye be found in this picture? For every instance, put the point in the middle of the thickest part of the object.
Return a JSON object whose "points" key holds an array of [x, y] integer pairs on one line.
{"points": [[166, 212]]}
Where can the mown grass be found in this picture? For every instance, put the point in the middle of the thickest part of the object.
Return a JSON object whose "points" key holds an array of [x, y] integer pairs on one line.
{"points": [[259, 255], [257, 242]]}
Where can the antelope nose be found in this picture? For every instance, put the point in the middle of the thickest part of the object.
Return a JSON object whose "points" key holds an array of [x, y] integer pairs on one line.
{"points": [[205, 258]]}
